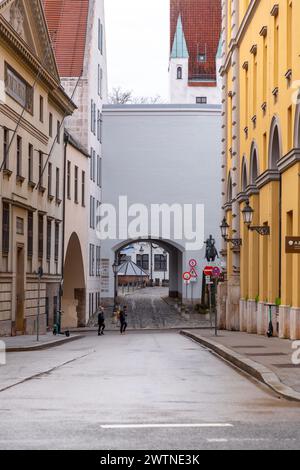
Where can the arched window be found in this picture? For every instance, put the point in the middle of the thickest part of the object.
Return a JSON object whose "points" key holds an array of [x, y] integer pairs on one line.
{"points": [[275, 145], [297, 127], [254, 167], [179, 73], [244, 180], [229, 189]]}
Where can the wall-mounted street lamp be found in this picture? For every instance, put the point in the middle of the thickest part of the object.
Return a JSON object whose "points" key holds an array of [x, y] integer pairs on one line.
{"points": [[248, 213], [236, 242]]}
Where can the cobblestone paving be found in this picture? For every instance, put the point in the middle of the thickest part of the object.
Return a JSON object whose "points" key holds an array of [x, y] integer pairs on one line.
{"points": [[151, 309]]}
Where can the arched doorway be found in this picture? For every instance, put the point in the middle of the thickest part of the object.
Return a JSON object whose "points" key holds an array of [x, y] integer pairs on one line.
{"points": [[173, 253], [74, 288]]}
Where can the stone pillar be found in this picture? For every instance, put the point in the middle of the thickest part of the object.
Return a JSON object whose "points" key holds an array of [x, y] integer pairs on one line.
{"points": [[251, 316], [284, 321], [295, 323], [243, 315], [262, 324]]}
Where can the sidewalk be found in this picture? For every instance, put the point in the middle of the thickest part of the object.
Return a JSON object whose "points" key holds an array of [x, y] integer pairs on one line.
{"points": [[29, 343], [267, 359]]}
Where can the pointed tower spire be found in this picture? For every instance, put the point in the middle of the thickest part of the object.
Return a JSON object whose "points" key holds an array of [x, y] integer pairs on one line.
{"points": [[179, 49]]}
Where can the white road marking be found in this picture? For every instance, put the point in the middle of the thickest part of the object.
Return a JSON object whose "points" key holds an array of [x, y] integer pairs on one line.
{"points": [[217, 440], [183, 425]]}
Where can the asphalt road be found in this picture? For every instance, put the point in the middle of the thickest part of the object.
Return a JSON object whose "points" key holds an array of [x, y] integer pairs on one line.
{"points": [[140, 391]]}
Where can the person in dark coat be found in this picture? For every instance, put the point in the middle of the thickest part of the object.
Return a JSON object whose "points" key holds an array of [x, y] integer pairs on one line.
{"points": [[123, 320], [101, 322]]}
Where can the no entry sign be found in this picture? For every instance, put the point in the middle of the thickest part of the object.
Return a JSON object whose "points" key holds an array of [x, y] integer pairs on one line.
{"points": [[208, 270]]}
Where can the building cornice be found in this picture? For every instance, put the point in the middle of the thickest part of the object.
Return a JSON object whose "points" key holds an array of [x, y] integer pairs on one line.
{"points": [[267, 177], [252, 190], [235, 42], [227, 207], [13, 41], [242, 197], [289, 160]]}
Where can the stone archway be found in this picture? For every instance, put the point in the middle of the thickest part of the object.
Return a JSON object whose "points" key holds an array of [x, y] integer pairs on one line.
{"points": [[175, 253], [74, 287]]}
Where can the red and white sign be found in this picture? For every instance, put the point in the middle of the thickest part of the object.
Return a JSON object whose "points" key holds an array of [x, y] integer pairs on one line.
{"points": [[216, 272], [193, 263], [208, 270], [193, 273], [186, 276]]}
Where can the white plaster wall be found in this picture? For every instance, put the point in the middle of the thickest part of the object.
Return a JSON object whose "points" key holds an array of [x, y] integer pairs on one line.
{"points": [[163, 154]]}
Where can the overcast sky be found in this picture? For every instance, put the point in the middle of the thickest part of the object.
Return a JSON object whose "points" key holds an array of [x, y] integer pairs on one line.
{"points": [[138, 45]]}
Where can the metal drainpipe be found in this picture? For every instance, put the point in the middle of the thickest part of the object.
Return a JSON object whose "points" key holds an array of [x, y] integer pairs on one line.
{"points": [[280, 232], [66, 141]]}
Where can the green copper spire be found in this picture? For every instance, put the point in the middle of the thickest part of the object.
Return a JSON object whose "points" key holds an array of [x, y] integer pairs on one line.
{"points": [[179, 50]]}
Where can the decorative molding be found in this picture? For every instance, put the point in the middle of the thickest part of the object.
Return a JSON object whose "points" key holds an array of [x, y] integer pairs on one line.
{"points": [[264, 31], [253, 49], [245, 65], [288, 74], [251, 190], [289, 160], [267, 177], [241, 197], [275, 10], [227, 207]]}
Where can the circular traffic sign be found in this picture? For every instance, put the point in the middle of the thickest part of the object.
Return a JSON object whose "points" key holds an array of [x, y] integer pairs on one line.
{"points": [[193, 263], [186, 276], [208, 271], [216, 271]]}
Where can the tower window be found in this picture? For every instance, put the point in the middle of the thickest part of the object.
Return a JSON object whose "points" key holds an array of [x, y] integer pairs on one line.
{"points": [[202, 57], [201, 100], [179, 73]]}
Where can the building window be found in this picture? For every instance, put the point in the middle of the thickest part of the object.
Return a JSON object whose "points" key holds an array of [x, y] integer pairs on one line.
{"points": [[83, 189], [56, 242], [143, 262], [58, 131], [76, 185], [49, 179], [50, 125], [160, 263], [93, 117], [100, 36], [18, 89], [179, 73], [19, 156], [41, 236], [20, 226], [92, 260], [202, 57], [100, 81], [49, 233], [5, 228], [201, 100], [41, 109], [6, 148], [98, 261], [57, 191], [30, 235], [92, 212], [98, 126], [41, 167], [99, 171], [30, 163], [69, 180]]}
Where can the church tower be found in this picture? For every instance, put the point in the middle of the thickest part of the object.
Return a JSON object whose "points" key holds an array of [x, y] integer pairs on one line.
{"points": [[194, 47]]}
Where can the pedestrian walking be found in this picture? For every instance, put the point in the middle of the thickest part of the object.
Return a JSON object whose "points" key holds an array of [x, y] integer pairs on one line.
{"points": [[123, 321], [101, 322]]}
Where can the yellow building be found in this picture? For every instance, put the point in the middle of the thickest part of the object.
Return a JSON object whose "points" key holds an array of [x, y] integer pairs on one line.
{"points": [[32, 110], [261, 165]]}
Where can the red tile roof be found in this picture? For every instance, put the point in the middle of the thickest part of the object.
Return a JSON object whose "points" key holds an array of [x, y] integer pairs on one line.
{"points": [[67, 22], [201, 20]]}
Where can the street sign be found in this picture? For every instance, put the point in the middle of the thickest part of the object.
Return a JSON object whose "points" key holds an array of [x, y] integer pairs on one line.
{"points": [[216, 272], [208, 280], [292, 245], [193, 263], [193, 273], [208, 270], [186, 276]]}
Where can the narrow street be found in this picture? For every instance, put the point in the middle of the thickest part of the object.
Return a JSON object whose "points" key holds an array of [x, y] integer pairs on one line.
{"points": [[144, 390]]}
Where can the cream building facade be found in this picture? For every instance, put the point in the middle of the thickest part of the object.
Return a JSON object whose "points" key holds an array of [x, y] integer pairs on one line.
{"points": [[32, 109]]}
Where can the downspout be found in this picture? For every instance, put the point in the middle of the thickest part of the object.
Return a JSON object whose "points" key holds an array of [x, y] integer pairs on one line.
{"points": [[66, 141]]}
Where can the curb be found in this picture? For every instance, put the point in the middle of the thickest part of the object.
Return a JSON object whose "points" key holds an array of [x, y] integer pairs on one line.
{"points": [[47, 345], [258, 371]]}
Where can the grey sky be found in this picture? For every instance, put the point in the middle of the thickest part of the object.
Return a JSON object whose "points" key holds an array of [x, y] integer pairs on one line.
{"points": [[138, 45]]}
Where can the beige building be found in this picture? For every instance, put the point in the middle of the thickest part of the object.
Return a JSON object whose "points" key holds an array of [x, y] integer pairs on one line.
{"points": [[76, 223], [32, 109]]}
